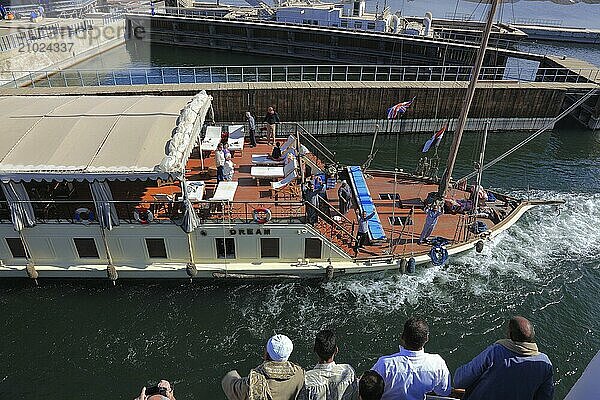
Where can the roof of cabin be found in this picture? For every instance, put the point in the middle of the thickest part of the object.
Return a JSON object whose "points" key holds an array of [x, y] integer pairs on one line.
{"points": [[78, 137]]}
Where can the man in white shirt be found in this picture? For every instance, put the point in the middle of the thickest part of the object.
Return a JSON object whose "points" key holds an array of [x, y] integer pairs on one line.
{"points": [[220, 162], [328, 380], [411, 373]]}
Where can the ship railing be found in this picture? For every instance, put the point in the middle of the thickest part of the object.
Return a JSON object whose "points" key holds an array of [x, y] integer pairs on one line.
{"points": [[287, 73], [78, 211], [537, 21], [340, 232], [318, 149], [60, 9]]}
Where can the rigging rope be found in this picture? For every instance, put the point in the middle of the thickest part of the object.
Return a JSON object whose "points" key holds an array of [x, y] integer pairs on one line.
{"points": [[536, 134]]}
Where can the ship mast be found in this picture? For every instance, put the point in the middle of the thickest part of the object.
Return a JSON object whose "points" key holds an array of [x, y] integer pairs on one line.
{"points": [[462, 119]]}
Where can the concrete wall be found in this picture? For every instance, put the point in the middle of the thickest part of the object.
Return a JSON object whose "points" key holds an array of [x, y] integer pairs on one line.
{"points": [[356, 107], [71, 50], [302, 41]]}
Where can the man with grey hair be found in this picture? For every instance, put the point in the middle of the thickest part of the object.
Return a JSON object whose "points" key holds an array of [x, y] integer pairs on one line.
{"points": [[275, 379], [251, 128], [511, 368]]}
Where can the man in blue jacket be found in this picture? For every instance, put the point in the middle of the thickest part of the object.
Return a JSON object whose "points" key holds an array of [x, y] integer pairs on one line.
{"points": [[509, 369]]}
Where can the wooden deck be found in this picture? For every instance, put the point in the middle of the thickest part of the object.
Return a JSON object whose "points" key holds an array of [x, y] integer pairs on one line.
{"points": [[412, 193], [252, 194]]}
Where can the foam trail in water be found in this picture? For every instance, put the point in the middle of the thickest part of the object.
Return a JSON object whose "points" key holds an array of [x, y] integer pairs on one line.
{"points": [[532, 250]]}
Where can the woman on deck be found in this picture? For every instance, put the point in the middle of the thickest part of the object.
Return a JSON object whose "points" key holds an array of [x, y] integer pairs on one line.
{"points": [[344, 198], [228, 168]]}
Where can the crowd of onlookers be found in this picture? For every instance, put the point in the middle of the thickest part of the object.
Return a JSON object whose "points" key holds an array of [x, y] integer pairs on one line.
{"points": [[511, 368]]}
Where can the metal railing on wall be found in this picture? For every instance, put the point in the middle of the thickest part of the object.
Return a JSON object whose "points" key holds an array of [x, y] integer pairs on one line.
{"points": [[289, 73], [22, 38]]}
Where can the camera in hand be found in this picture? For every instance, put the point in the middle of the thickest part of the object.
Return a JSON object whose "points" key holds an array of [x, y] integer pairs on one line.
{"points": [[152, 390]]}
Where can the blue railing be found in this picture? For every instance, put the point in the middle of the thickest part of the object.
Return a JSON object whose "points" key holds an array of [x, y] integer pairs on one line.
{"points": [[288, 73]]}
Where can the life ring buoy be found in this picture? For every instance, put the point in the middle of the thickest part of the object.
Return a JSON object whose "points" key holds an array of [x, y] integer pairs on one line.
{"points": [[438, 255], [143, 215], [261, 215], [83, 216]]}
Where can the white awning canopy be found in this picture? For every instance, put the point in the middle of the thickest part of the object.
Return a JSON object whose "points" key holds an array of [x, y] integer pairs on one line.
{"points": [[98, 137]]}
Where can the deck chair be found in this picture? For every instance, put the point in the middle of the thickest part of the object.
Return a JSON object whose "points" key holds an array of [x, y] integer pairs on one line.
{"points": [[285, 186], [264, 159], [236, 138], [286, 149], [272, 172], [212, 138]]}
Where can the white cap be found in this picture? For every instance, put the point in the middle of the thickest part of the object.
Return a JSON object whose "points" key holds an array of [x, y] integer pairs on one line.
{"points": [[279, 347]]}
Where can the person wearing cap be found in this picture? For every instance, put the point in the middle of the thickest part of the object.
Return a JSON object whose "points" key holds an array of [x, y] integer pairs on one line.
{"points": [[328, 380], [275, 379]]}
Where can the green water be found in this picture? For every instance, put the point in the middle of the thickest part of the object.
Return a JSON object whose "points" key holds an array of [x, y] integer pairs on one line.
{"points": [[88, 339]]}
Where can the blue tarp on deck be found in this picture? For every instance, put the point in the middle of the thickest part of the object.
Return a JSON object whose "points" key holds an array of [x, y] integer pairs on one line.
{"points": [[365, 202]]}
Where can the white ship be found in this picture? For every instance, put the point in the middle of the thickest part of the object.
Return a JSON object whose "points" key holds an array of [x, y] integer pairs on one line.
{"points": [[124, 186], [97, 186]]}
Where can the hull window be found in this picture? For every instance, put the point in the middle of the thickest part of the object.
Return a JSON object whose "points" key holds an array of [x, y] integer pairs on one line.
{"points": [[156, 248], [86, 247], [312, 248], [225, 247], [15, 245], [269, 247]]}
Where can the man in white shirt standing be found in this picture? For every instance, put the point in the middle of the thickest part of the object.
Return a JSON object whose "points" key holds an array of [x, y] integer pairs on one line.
{"points": [[411, 373], [328, 380]]}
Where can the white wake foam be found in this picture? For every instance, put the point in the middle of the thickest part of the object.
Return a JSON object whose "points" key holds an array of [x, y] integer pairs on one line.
{"points": [[532, 251]]}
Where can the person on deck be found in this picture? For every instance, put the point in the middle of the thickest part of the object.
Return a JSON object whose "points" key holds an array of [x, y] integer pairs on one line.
{"points": [[363, 230], [219, 162], [251, 128], [432, 213], [328, 380], [370, 386], [511, 368], [271, 119], [276, 152], [228, 168], [275, 379], [310, 195], [226, 150], [344, 198], [412, 373]]}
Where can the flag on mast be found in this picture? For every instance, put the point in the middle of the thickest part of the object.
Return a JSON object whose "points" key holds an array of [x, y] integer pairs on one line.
{"points": [[435, 139], [399, 108]]}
